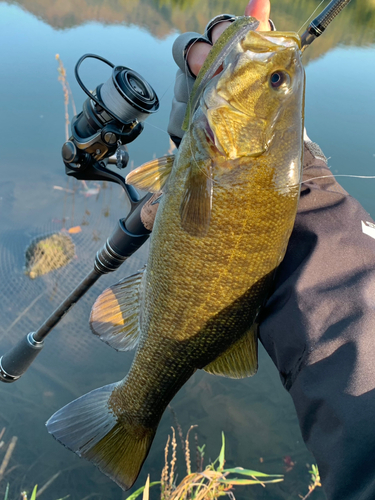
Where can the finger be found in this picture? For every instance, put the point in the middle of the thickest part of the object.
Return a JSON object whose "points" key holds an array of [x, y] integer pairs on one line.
{"points": [[182, 46], [197, 55], [218, 30], [260, 9], [199, 51]]}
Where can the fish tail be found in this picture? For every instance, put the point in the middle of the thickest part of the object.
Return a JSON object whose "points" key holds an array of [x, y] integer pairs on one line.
{"points": [[117, 445]]}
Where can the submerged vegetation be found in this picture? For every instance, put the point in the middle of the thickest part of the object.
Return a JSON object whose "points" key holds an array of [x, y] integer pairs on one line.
{"points": [[34, 494], [204, 484], [315, 481], [6, 468], [48, 253], [209, 482]]}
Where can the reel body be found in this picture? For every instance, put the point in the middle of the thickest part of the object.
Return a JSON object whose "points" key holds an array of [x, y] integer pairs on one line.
{"points": [[111, 117]]}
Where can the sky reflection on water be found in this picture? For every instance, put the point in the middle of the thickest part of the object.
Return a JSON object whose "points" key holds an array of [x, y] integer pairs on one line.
{"points": [[256, 414]]}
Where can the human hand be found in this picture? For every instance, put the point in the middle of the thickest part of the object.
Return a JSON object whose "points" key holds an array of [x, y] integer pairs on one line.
{"points": [[190, 57], [190, 51]]}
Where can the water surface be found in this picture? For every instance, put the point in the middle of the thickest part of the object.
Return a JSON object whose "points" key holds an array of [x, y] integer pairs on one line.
{"points": [[256, 414]]}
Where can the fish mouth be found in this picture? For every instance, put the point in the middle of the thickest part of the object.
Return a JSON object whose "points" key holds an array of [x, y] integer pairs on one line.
{"points": [[208, 131], [205, 125]]}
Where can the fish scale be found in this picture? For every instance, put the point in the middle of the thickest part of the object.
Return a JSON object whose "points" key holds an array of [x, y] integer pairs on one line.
{"points": [[223, 223], [236, 247]]}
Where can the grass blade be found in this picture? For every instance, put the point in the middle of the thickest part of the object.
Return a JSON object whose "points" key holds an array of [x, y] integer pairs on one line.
{"points": [[248, 481], [247, 472], [222, 452], [146, 491], [33, 494], [6, 492], [136, 494]]}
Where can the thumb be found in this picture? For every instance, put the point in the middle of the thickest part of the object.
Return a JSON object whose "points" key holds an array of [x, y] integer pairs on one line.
{"points": [[260, 9]]}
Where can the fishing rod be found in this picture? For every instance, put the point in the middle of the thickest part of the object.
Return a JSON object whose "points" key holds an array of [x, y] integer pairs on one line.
{"points": [[320, 23], [112, 117]]}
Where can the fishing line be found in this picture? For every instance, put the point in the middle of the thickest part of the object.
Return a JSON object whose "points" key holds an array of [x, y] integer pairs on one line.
{"points": [[310, 16], [327, 177], [186, 74], [32, 303], [191, 113], [340, 175], [166, 90], [236, 37], [187, 71], [291, 186], [161, 100], [155, 126]]}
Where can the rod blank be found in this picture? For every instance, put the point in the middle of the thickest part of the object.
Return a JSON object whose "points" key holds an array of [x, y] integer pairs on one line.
{"points": [[320, 23]]}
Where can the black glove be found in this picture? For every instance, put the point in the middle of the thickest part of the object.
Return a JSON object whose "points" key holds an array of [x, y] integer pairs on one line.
{"points": [[184, 77], [318, 326]]}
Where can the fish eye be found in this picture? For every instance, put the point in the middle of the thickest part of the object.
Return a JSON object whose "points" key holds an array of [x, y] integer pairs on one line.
{"points": [[279, 79]]}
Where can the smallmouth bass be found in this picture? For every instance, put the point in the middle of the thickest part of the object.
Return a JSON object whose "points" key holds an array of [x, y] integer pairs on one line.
{"points": [[222, 227]]}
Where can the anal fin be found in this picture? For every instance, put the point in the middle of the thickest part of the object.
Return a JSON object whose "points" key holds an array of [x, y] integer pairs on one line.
{"points": [[240, 360], [115, 313]]}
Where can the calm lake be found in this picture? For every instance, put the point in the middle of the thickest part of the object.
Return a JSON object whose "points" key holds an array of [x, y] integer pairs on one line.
{"points": [[36, 198]]}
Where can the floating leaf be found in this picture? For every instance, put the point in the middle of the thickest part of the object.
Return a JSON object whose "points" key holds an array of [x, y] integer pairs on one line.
{"points": [[74, 230]]}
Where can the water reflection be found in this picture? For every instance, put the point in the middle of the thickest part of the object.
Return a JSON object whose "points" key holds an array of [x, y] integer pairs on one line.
{"points": [[162, 17], [256, 414]]}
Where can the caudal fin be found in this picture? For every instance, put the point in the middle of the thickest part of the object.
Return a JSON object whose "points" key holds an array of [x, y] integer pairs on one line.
{"points": [[90, 428]]}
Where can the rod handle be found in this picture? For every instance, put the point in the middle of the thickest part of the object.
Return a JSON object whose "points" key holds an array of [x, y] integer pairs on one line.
{"points": [[15, 362]]}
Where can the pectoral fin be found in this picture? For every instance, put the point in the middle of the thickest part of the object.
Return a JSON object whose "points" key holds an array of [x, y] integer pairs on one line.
{"points": [[153, 175], [196, 205], [240, 360], [115, 313]]}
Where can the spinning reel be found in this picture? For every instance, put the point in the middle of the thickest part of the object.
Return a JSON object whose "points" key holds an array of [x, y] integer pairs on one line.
{"points": [[111, 117]]}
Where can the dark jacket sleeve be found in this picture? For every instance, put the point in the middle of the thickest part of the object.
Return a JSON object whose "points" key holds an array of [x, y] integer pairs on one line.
{"points": [[319, 328]]}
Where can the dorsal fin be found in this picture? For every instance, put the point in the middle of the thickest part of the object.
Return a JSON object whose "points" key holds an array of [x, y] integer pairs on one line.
{"points": [[240, 360], [153, 175], [115, 313]]}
